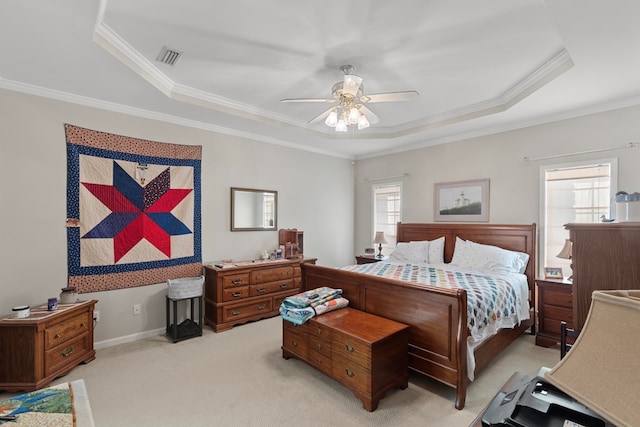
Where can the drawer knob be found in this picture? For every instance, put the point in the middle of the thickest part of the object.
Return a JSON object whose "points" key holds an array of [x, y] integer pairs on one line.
{"points": [[294, 343], [237, 294], [261, 290], [261, 306], [67, 351], [319, 361], [236, 281], [235, 312], [319, 346], [319, 331], [83, 324], [283, 286], [349, 348], [350, 373], [56, 336]]}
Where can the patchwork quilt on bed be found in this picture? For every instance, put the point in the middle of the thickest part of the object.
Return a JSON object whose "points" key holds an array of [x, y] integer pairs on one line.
{"points": [[492, 301]]}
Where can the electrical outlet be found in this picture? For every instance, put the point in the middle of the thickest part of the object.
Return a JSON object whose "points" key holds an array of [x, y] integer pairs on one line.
{"points": [[136, 309], [96, 316]]}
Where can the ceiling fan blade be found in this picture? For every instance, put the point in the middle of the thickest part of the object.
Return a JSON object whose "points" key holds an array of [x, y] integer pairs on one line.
{"points": [[370, 115], [389, 96], [319, 117], [327, 100], [351, 84]]}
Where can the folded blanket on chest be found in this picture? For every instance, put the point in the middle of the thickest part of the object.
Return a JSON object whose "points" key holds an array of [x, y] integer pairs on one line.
{"points": [[312, 297], [301, 315]]}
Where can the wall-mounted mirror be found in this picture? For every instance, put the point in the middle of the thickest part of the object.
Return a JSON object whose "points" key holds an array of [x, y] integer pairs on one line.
{"points": [[253, 210]]}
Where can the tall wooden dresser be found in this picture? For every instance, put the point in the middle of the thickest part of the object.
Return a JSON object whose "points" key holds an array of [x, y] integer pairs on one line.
{"points": [[248, 290], [605, 256]]}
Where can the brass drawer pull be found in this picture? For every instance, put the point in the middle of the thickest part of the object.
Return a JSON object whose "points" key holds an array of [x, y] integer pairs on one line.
{"points": [[237, 294], [67, 351], [56, 336], [350, 374], [294, 343], [261, 290], [319, 361], [318, 346], [284, 286], [83, 324], [235, 312], [349, 348], [261, 306], [236, 281]]}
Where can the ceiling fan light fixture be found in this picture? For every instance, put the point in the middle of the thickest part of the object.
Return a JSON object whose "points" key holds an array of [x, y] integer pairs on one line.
{"points": [[351, 84], [341, 126], [332, 119], [354, 115], [363, 123]]}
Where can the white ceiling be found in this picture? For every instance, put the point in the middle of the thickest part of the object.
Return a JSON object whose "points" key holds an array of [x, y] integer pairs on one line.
{"points": [[480, 66]]}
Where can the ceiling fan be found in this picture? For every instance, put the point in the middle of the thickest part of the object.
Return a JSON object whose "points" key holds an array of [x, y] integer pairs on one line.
{"points": [[349, 97]]}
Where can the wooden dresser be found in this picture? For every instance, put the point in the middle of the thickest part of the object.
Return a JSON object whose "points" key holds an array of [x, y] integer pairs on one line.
{"points": [[48, 344], [605, 256], [554, 301], [367, 354], [248, 290]]}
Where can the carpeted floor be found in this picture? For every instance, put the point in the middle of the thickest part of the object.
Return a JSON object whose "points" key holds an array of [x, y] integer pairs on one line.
{"points": [[239, 378]]}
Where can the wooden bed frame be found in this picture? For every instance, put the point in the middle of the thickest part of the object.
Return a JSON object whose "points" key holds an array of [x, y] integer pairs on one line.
{"points": [[437, 317]]}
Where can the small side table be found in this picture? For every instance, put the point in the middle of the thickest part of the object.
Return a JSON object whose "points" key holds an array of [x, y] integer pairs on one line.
{"points": [[188, 328], [368, 259]]}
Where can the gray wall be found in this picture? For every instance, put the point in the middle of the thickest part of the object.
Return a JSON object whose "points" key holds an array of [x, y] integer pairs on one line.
{"points": [[514, 182], [315, 194]]}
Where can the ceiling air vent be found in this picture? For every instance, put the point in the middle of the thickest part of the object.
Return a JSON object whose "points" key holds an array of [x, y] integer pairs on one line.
{"points": [[168, 56]]}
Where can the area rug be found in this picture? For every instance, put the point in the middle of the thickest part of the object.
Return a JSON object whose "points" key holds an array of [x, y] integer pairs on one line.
{"points": [[133, 211], [63, 405]]}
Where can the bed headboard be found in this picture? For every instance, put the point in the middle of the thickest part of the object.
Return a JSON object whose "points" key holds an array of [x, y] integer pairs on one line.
{"points": [[515, 237]]}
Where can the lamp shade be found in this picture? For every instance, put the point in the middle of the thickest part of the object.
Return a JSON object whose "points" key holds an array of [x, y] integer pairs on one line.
{"points": [[379, 238], [602, 369], [566, 251]]}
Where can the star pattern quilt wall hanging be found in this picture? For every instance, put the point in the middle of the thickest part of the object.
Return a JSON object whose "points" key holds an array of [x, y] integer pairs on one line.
{"points": [[133, 209]]}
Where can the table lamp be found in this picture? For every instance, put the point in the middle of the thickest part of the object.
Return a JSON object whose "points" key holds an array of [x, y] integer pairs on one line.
{"points": [[602, 369], [380, 239], [565, 253]]}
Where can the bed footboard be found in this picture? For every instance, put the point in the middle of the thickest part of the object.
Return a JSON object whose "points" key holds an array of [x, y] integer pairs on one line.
{"points": [[437, 319]]}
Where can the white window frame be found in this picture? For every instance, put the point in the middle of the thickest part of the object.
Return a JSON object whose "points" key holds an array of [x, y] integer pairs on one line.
{"points": [[542, 229], [391, 229]]}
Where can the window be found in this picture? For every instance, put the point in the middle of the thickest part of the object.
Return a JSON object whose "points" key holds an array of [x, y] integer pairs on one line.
{"points": [[579, 192], [387, 211]]}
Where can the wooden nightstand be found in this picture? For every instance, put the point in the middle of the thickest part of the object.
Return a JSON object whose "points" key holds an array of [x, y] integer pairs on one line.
{"points": [[368, 259], [554, 299]]}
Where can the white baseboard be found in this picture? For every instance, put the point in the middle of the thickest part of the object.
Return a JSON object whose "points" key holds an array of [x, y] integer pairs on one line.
{"points": [[129, 338]]}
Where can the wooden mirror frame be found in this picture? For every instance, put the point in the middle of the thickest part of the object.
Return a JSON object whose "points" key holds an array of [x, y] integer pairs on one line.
{"points": [[241, 204]]}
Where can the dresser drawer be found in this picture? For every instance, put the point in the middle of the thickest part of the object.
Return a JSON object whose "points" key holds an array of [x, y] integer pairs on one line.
{"points": [[237, 293], [64, 331], [320, 361], [558, 313], [295, 340], [560, 299], [270, 287], [246, 310], [271, 274], [66, 353], [235, 280], [346, 346], [351, 373], [552, 327]]}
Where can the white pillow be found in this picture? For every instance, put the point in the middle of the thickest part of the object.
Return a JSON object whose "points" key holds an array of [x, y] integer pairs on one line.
{"points": [[417, 252], [475, 256], [436, 251]]}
